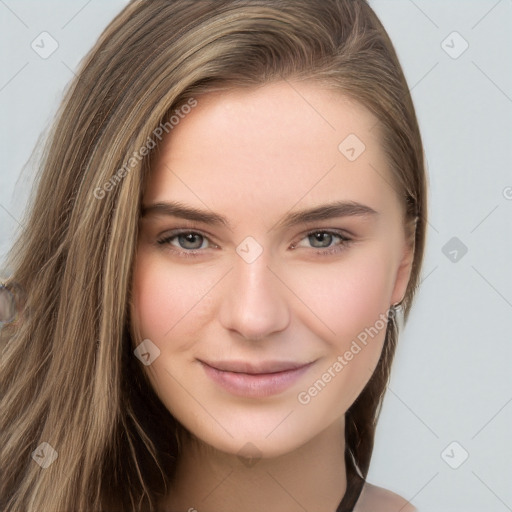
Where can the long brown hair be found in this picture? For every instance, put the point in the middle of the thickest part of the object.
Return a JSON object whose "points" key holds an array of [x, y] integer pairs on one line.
{"points": [[69, 377]]}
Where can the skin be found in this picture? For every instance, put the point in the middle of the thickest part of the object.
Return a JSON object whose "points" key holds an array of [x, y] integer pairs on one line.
{"points": [[7, 306], [254, 156]]}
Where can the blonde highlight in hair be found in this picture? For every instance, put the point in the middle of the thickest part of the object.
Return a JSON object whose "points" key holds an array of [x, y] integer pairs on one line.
{"points": [[69, 377]]}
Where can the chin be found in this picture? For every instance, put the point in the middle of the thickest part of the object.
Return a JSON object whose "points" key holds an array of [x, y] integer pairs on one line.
{"points": [[264, 434], [249, 441]]}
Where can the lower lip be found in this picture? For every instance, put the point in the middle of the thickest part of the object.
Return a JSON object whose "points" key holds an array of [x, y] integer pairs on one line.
{"points": [[255, 386]]}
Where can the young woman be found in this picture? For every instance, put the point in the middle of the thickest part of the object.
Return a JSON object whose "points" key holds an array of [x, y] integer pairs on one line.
{"points": [[231, 210]]}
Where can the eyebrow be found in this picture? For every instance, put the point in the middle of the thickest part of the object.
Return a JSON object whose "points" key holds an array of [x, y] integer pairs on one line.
{"points": [[315, 214]]}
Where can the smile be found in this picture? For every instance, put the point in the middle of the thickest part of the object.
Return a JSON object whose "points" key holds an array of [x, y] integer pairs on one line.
{"points": [[255, 381]]}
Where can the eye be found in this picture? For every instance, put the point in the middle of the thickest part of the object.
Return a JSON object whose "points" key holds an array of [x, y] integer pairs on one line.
{"points": [[327, 241], [321, 239], [186, 242], [193, 243]]}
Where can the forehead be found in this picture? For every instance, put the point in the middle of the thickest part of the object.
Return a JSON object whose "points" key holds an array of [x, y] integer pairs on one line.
{"points": [[271, 148]]}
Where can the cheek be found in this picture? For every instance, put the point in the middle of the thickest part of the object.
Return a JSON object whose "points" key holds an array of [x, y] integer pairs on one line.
{"points": [[335, 387], [348, 296], [170, 307], [351, 298], [168, 300]]}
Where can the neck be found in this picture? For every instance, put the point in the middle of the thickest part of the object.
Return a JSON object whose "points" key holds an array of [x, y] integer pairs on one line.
{"points": [[312, 477]]}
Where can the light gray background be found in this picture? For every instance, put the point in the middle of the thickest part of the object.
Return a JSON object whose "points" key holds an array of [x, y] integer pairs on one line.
{"points": [[452, 377]]}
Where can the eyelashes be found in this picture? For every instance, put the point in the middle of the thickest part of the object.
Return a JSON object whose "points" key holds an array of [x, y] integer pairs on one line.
{"points": [[189, 243], [186, 237], [325, 235]]}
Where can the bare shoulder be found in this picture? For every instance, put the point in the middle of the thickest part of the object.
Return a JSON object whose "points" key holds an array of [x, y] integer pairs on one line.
{"points": [[378, 499]]}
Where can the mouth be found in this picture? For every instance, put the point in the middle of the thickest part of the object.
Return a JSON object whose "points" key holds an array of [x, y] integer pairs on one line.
{"points": [[255, 380]]}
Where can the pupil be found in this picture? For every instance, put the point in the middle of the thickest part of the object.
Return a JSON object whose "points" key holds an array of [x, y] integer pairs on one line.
{"points": [[191, 241], [320, 239]]}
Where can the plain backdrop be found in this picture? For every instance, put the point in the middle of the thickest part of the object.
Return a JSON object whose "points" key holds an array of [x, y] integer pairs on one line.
{"points": [[444, 438]]}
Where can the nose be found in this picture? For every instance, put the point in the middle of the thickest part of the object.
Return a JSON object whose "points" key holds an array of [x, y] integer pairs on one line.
{"points": [[254, 302]]}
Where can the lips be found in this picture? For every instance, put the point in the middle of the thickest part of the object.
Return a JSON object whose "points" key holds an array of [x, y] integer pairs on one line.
{"points": [[255, 380], [254, 369]]}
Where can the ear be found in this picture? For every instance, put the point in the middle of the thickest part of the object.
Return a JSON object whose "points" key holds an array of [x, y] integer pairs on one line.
{"points": [[403, 273]]}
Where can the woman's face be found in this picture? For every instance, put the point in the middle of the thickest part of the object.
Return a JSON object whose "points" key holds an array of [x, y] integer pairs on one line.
{"points": [[271, 248]]}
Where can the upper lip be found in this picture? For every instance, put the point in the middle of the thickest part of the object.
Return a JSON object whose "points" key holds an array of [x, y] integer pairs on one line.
{"points": [[255, 368]]}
